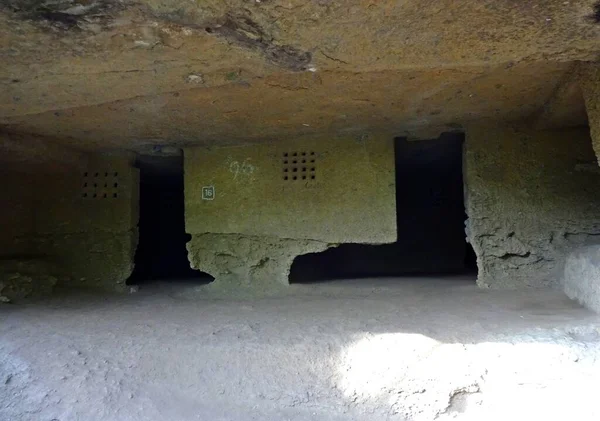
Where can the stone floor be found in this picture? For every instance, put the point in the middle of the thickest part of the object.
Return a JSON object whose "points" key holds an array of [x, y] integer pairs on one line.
{"points": [[373, 349]]}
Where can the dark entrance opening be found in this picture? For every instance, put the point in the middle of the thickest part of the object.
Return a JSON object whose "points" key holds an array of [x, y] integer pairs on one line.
{"points": [[161, 253], [430, 217]]}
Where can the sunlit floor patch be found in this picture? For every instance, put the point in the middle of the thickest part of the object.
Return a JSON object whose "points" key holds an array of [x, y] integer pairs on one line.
{"points": [[404, 349]]}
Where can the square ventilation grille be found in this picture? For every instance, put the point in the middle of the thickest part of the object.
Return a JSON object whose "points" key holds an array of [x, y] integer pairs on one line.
{"points": [[299, 166], [100, 185]]}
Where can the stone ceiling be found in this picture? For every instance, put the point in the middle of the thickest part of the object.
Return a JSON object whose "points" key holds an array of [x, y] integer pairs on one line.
{"points": [[106, 74]]}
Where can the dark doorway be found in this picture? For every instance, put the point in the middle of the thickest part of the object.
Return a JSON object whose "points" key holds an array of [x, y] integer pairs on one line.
{"points": [[430, 217], [161, 253]]}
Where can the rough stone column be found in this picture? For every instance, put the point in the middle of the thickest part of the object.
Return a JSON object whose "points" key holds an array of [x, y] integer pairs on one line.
{"points": [[252, 209], [531, 198], [86, 222], [73, 225], [590, 83]]}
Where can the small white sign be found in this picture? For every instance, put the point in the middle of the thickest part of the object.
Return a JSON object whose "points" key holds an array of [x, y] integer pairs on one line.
{"points": [[208, 192]]}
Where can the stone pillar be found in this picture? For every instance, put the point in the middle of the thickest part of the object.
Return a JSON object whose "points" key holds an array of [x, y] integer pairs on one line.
{"points": [[531, 198], [76, 226], [582, 276], [86, 222], [582, 269], [252, 209]]}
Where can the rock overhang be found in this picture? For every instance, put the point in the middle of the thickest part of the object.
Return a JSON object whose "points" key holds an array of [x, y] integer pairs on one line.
{"points": [[120, 75]]}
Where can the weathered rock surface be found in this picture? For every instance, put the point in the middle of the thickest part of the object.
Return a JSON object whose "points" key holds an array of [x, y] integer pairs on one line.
{"points": [[589, 77], [531, 198], [247, 264], [102, 260], [582, 276], [80, 76], [26, 278], [170, 71]]}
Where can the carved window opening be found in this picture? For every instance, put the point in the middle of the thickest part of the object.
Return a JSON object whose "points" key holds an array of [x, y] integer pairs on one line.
{"points": [[299, 166]]}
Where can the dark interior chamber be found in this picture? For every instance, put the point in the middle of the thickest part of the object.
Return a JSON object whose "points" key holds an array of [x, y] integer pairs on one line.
{"points": [[430, 218], [161, 253]]}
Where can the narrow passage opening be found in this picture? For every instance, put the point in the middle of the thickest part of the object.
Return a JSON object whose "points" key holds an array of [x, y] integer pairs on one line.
{"points": [[161, 254]]}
